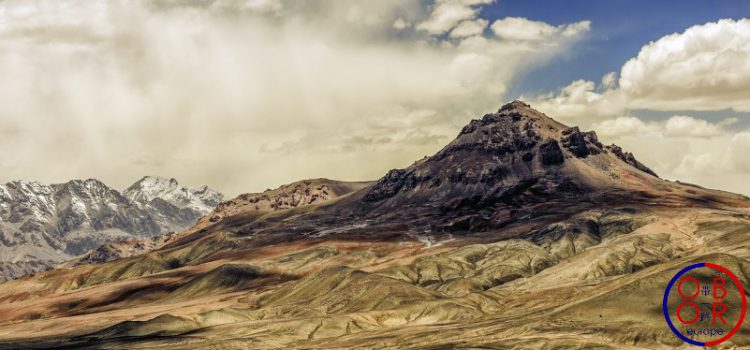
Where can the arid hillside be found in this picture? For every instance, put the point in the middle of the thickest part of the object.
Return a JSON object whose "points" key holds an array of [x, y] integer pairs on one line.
{"points": [[522, 233]]}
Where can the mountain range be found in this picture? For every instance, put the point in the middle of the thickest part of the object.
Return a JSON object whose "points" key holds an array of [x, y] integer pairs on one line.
{"points": [[297, 194], [42, 225], [521, 233]]}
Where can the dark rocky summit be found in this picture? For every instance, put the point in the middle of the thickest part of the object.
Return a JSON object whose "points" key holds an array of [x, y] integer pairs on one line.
{"points": [[497, 153]]}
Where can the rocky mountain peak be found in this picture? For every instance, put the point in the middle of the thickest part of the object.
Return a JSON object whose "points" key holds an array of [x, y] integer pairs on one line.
{"points": [[91, 189], [516, 146], [88, 183], [149, 188]]}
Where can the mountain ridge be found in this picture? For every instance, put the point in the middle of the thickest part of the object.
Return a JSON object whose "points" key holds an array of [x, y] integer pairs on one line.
{"points": [[148, 188], [285, 197], [42, 225]]}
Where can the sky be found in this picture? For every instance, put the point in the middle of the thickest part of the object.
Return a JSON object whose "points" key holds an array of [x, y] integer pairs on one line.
{"points": [[244, 95]]}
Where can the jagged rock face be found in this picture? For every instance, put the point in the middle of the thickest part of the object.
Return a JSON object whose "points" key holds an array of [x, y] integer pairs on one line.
{"points": [[581, 144], [41, 225], [388, 186], [500, 149], [92, 204], [500, 152], [550, 153]]}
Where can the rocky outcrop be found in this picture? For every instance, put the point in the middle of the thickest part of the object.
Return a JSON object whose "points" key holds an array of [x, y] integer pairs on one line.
{"points": [[296, 194], [581, 144], [628, 157], [387, 186], [550, 153]]}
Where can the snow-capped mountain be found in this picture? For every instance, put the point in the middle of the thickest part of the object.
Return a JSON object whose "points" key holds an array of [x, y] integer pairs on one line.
{"points": [[200, 198], [41, 225]]}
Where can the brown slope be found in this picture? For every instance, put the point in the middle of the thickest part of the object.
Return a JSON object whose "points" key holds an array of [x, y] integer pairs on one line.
{"points": [[293, 195]]}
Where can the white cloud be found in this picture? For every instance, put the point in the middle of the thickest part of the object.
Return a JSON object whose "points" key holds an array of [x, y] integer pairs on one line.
{"points": [[580, 102], [522, 29], [469, 28], [707, 67], [401, 24], [211, 92], [674, 126], [738, 150], [261, 6], [447, 14], [694, 164], [622, 126], [685, 126]]}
